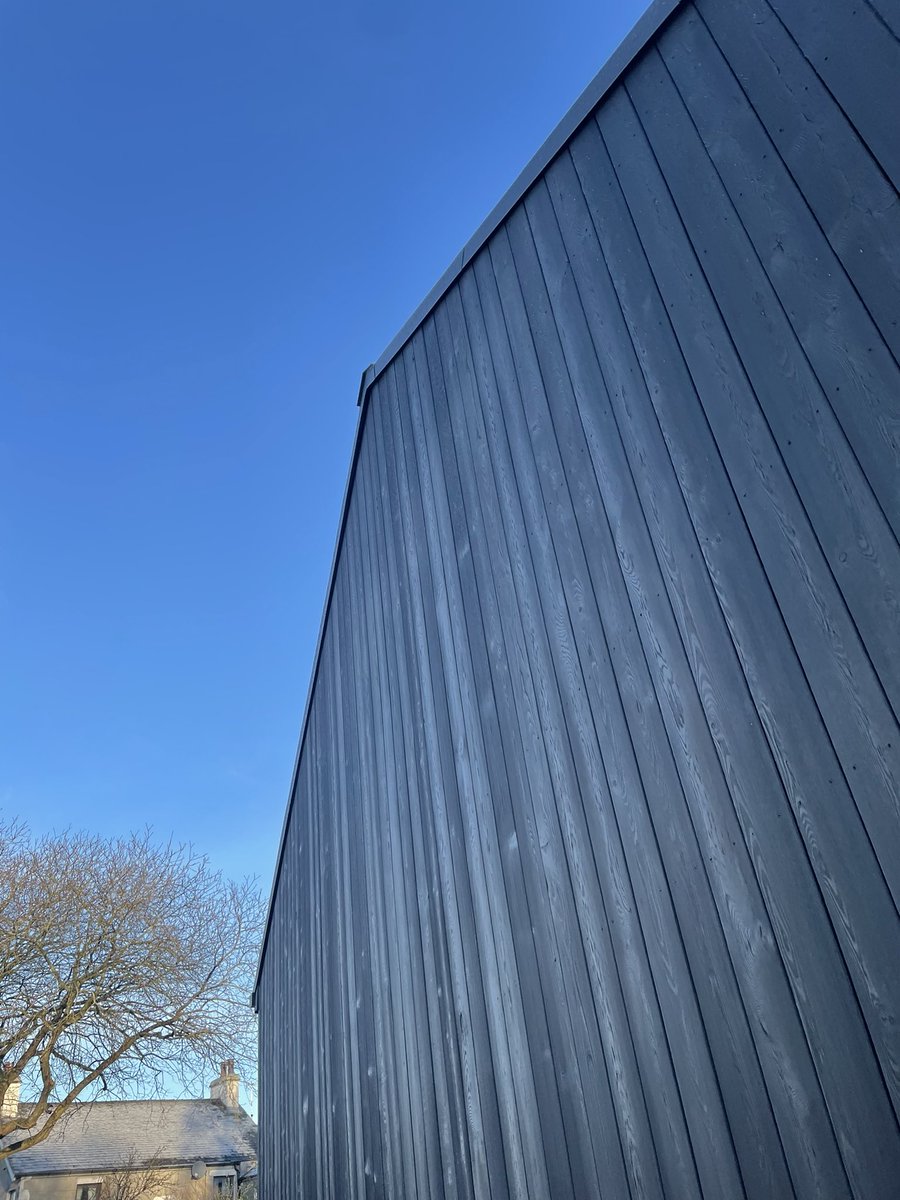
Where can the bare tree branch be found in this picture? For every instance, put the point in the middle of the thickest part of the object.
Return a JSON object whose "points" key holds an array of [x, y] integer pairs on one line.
{"points": [[123, 963], [136, 1179]]}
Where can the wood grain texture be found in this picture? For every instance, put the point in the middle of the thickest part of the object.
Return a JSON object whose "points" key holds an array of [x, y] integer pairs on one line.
{"points": [[590, 882]]}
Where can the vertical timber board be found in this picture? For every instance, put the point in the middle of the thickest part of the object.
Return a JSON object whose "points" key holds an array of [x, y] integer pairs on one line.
{"points": [[589, 883]]}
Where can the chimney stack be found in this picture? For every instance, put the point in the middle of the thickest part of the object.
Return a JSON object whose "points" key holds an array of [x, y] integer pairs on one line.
{"points": [[225, 1089], [9, 1104]]}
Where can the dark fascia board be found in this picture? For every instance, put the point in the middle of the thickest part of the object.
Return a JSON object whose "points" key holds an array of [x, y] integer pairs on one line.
{"points": [[643, 33]]}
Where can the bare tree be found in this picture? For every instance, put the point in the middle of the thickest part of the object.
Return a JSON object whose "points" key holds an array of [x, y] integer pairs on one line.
{"points": [[123, 963], [135, 1179]]}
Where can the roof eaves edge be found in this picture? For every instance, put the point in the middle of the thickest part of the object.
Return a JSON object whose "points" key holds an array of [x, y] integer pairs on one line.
{"points": [[363, 402]]}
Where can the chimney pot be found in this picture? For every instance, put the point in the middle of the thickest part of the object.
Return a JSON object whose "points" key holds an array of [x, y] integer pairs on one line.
{"points": [[226, 1089]]}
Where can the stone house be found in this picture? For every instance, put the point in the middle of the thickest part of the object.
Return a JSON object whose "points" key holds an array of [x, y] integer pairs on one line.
{"points": [[141, 1150]]}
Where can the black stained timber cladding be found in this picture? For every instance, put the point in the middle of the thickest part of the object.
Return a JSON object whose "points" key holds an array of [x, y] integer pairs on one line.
{"points": [[590, 877]]}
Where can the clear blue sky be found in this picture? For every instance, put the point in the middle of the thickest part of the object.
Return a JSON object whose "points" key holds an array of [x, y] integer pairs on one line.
{"points": [[213, 215]]}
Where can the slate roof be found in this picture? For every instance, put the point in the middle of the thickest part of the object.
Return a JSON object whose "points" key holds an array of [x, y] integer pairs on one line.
{"points": [[100, 1136]]}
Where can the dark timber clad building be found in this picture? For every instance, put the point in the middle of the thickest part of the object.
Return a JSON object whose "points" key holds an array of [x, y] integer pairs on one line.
{"points": [[590, 874]]}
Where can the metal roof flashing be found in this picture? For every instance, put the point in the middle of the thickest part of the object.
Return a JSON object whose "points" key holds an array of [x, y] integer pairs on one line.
{"points": [[641, 35], [368, 378]]}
